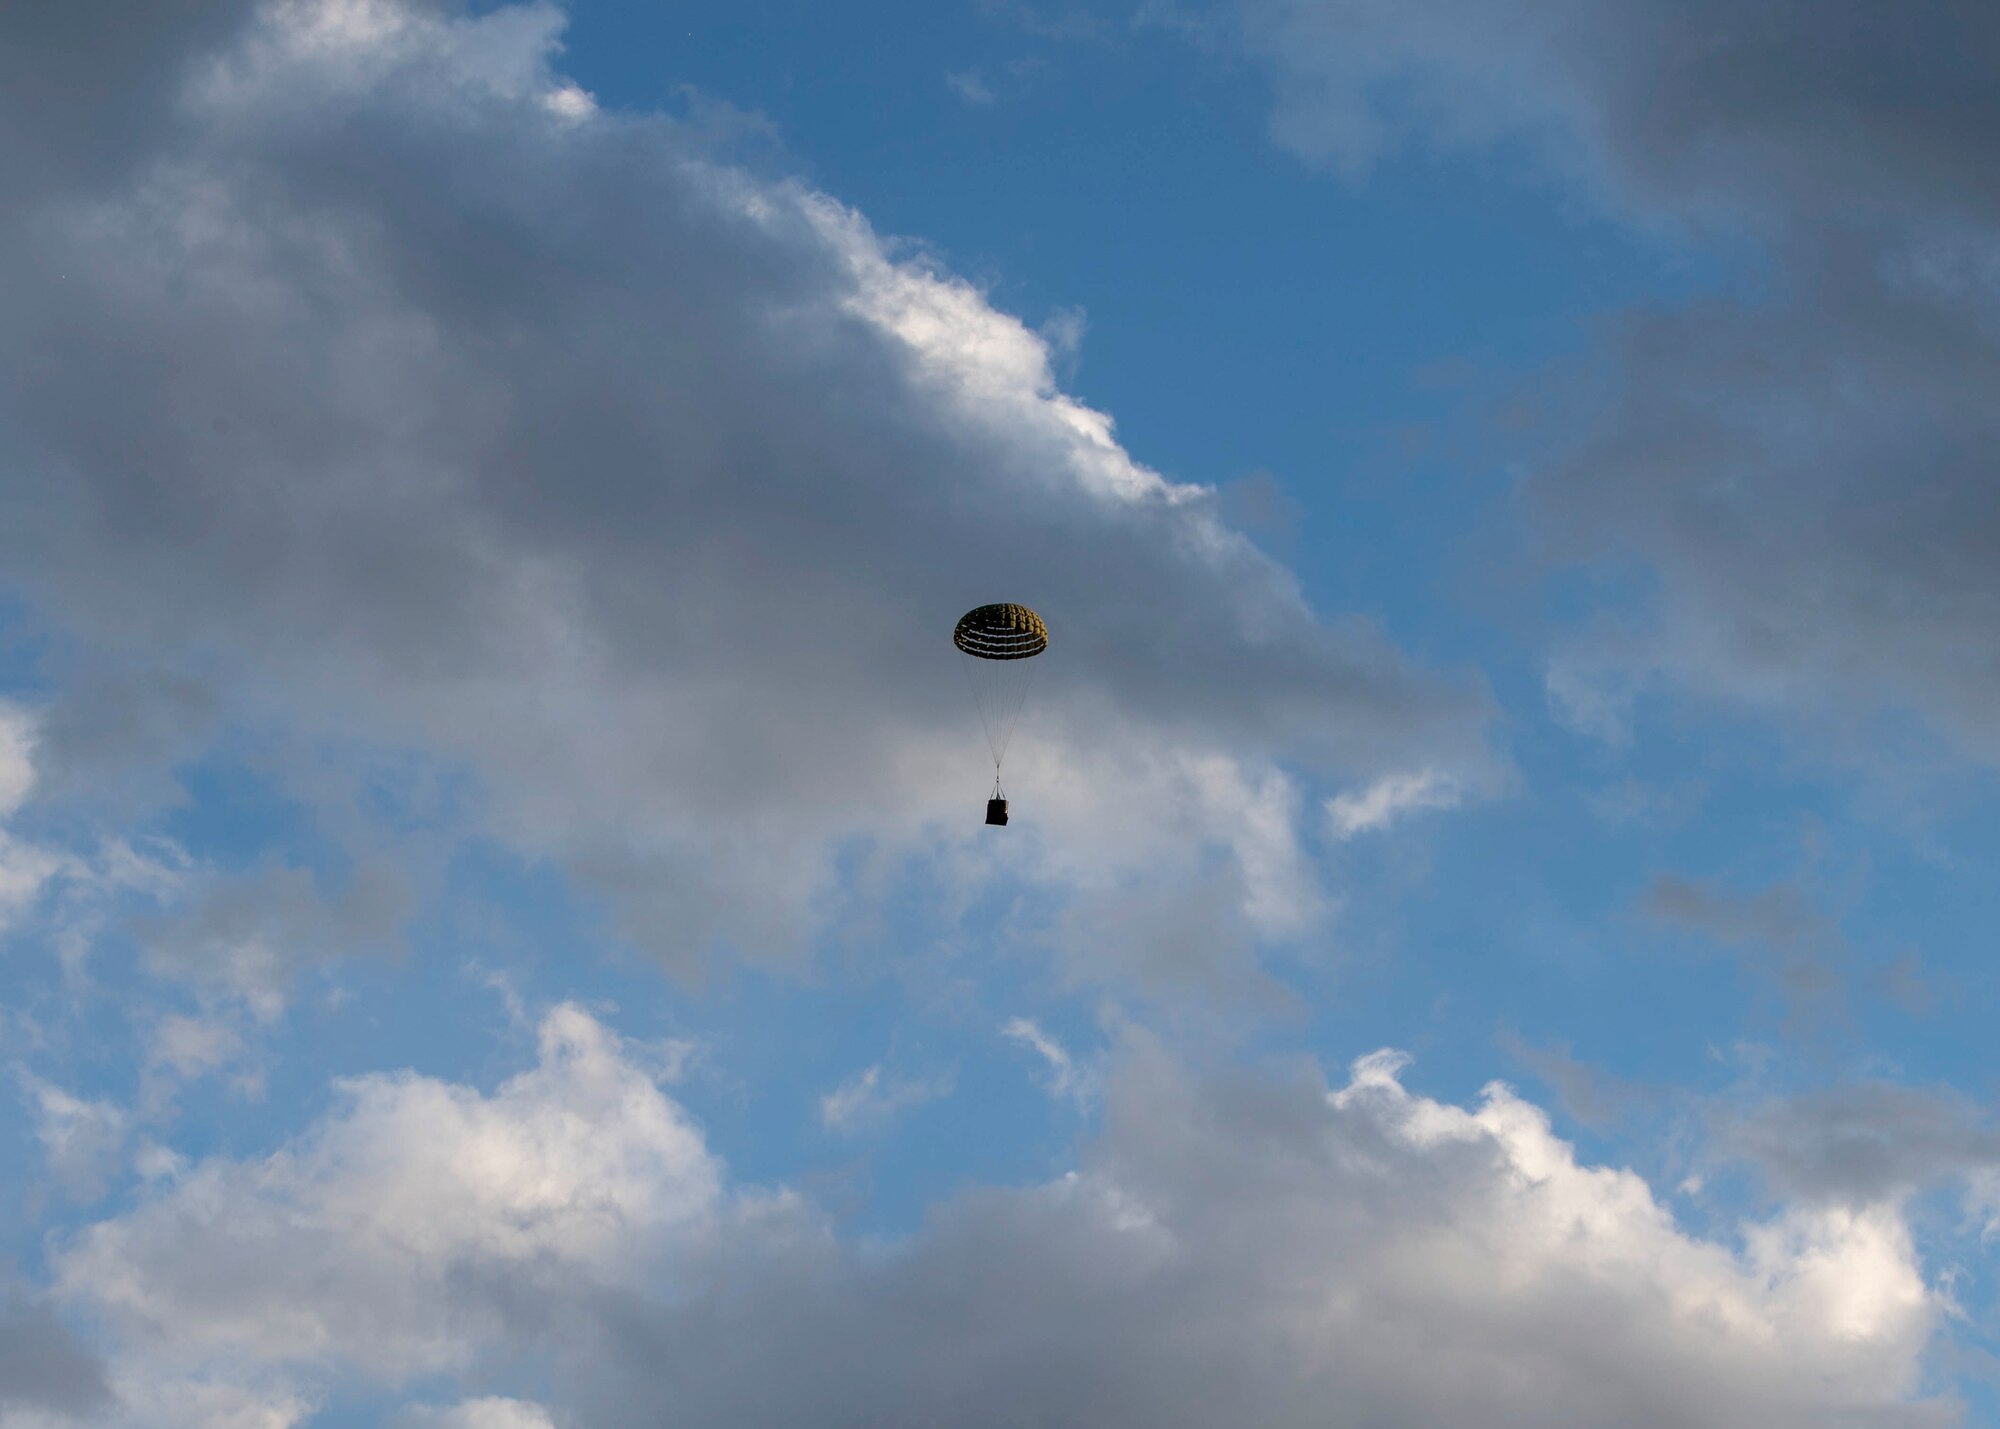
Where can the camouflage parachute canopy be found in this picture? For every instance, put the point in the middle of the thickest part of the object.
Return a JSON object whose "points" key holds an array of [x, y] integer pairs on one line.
{"points": [[1001, 632]]}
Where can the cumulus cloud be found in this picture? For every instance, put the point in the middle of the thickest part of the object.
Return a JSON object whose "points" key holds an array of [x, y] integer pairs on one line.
{"points": [[1248, 1249], [1253, 1253], [401, 1236], [404, 402], [1807, 471], [353, 1245]]}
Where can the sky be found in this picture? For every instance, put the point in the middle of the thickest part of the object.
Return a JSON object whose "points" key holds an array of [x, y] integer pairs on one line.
{"points": [[496, 925]]}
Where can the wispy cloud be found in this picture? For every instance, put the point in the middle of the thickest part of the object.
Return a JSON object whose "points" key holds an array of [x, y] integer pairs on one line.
{"points": [[1064, 1077], [968, 86], [1387, 800], [870, 1099], [83, 1140]]}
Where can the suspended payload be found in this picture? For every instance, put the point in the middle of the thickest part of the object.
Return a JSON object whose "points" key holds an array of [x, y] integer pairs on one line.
{"points": [[998, 644]]}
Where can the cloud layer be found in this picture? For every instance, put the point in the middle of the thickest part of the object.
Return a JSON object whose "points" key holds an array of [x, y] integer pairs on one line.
{"points": [[1233, 1247]]}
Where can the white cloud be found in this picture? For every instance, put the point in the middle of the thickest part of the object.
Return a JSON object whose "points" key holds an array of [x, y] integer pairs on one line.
{"points": [[353, 1246], [83, 1140], [1065, 1078], [868, 1099], [1388, 799], [1251, 1252], [25, 871], [489, 1412], [17, 768], [193, 1046], [1246, 1250]]}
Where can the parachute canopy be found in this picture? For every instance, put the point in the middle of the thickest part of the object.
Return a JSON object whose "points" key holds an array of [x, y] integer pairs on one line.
{"points": [[1001, 632], [997, 642]]}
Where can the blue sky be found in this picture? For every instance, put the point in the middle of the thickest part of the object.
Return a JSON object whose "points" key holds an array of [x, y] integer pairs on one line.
{"points": [[495, 929]]}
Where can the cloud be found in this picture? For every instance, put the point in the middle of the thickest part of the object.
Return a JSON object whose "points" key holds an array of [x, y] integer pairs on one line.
{"points": [[17, 767], [245, 935], [1593, 702], [1778, 917], [1807, 479], [111, 738], [1252, 1252], [415, 409], [1584, 1090], [1867, 1143], [1386, 800], [44, 1368], [868, 1099], [1064, 1077], [1702, 110], [83, 1140], [193, 1046], [1247, 1248], [489, 1412], [968, 86], [363, 1244], [1802, 473], [1775, 929], [26, 870]]}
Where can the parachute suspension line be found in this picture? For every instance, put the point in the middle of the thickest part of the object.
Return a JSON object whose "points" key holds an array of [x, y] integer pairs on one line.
{"points": [[999, 693], [980, 701], [1021, 686]]}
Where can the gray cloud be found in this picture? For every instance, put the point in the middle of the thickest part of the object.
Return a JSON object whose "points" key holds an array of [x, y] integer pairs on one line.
{"points": [[1778, 918], [401, 396], [1815, 481], [43, 1367], [1870, 1142], [1774, 110], [86, 87], [1585, 1091], [246, 935], [1808, 471], [1776, 929]]}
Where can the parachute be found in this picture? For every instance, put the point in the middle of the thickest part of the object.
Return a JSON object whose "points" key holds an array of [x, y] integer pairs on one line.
{"points": [[996, 644]]}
